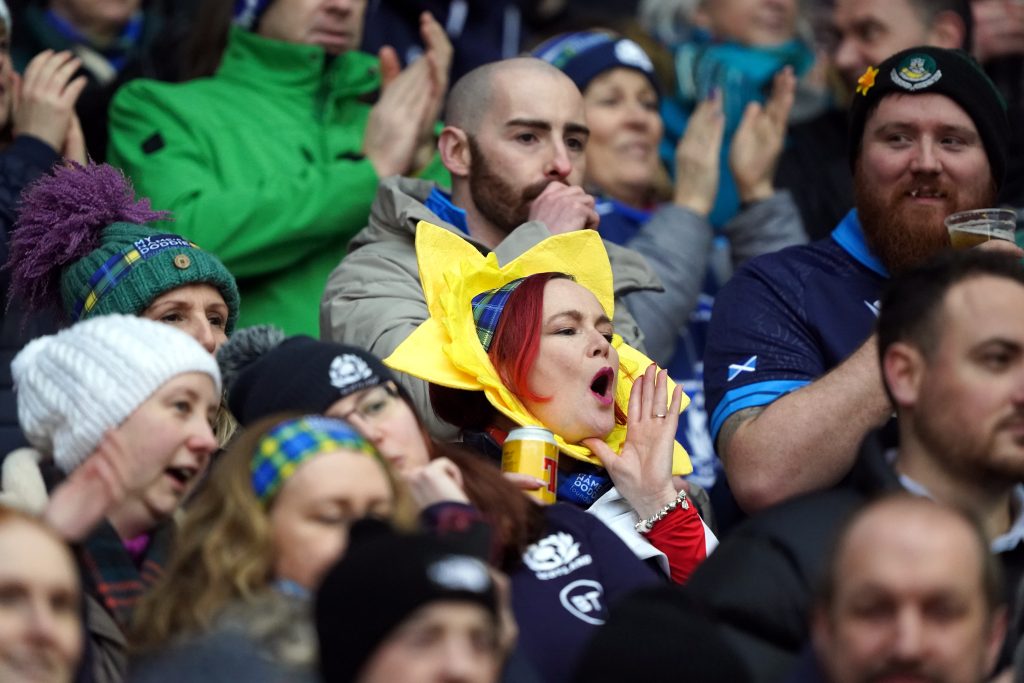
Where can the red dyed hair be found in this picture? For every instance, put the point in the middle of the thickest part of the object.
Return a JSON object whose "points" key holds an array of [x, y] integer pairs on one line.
{"points": [[513, 353], [517, 337]]}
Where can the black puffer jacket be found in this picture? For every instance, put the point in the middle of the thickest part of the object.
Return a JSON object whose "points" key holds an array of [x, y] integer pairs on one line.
{"points": [[759, 584], [23, 161]]}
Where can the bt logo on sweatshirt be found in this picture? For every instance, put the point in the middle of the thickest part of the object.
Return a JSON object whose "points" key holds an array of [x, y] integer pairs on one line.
{"points": [[584, 599]]}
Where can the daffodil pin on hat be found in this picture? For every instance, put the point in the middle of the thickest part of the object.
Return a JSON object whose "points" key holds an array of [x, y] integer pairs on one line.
{"points": [[447, 348]]}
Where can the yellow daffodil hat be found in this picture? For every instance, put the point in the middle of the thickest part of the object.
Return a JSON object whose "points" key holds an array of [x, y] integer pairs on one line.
{"points": [[446, 349]]}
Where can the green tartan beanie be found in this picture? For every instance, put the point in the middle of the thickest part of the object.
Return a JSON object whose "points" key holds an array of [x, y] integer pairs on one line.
{"points": [[135, 264], [83, 245]]}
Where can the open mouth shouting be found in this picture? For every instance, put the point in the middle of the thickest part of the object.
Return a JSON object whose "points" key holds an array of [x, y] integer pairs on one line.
{"points": [[181, 476], [601, 386]]}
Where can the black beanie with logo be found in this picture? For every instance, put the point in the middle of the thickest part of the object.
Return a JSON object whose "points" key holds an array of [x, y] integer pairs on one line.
{"points": [[938, 71]]}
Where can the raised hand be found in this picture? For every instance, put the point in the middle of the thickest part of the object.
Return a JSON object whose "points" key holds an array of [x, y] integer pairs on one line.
{"points": [[391, 140], [399, 136], [45, 97], [642, 472], [998, 29], [564, 208], [757, 143], [436, 482], [92, 490], [439, 50], [697, 158]]}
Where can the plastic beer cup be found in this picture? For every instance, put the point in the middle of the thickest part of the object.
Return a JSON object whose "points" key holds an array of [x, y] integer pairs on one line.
{"points": [[970, 228]]}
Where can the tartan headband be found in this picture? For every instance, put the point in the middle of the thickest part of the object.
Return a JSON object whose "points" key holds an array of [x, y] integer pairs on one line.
{"points": [[290, 443], [487, 309], [119, 266]]}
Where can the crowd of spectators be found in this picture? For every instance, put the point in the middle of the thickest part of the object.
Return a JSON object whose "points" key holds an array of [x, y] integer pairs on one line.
{"points": [[284, 279]]}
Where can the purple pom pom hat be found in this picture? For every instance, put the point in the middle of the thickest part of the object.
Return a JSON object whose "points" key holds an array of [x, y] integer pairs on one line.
{"points": [[82, 244]]}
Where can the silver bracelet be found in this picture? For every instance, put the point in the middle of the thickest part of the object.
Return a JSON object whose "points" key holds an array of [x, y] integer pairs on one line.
{"points": [[645, 525]]}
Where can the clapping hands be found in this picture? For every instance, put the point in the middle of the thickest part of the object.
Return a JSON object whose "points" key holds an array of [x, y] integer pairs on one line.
{"points": [[44, 103], [757, 143], [399, 136]]}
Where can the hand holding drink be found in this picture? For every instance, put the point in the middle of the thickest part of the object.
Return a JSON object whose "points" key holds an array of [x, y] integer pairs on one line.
{"points": [[970, 228], [532, 451]]}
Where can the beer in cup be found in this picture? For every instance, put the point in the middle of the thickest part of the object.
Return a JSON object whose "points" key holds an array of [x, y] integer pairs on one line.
{"points": [[970, 228]]}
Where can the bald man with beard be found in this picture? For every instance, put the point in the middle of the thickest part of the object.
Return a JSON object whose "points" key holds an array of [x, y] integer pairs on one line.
{"points": [[514, 143], [791, 375]]}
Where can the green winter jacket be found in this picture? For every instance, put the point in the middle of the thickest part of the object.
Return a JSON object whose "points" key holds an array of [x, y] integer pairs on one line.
{"points": [[261, 164]]}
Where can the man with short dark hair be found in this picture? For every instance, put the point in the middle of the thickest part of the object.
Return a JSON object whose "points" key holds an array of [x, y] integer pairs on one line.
{"points": [[861, 33], [910, 590], [514, 144], [791, 372], [951, 347], [951, 350]]}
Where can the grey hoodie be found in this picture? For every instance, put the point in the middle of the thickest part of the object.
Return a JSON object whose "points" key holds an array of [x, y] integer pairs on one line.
{"points": [[374, 299]]}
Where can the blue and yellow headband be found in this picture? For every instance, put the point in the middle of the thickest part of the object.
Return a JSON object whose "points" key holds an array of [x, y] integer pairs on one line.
{"points": [[290, 443]]}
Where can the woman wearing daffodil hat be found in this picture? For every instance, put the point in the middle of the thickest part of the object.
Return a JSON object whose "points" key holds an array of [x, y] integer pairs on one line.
{"points": [[531, 343]]}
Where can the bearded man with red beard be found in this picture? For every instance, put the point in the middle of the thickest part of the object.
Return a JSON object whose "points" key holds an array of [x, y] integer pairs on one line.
{"points": [[791, 372]]}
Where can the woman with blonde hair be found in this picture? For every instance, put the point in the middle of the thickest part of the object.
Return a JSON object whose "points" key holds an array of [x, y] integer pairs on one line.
{"points": [[120, 407], [41, 636], [272, 518], [85, 246]]}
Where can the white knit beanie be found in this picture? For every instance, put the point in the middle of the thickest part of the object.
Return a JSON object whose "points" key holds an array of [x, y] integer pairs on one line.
{"points": [[75, 385]]}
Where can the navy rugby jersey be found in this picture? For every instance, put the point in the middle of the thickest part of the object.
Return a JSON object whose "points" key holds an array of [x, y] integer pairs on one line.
{"points": [[785, 319]]}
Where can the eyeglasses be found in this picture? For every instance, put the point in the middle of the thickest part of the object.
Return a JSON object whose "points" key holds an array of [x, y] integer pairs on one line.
{"points": [[376, 406]]}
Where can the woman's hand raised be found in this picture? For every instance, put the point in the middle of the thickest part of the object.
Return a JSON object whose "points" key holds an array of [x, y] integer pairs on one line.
{"points": [[439, 481], [93, 489], [642, 472], [757, 143], [698, 158]]}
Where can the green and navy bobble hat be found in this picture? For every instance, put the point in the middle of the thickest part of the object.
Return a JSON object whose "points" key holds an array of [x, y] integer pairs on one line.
{"points": [[83, 245], [935, 70], [135, 264]]}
